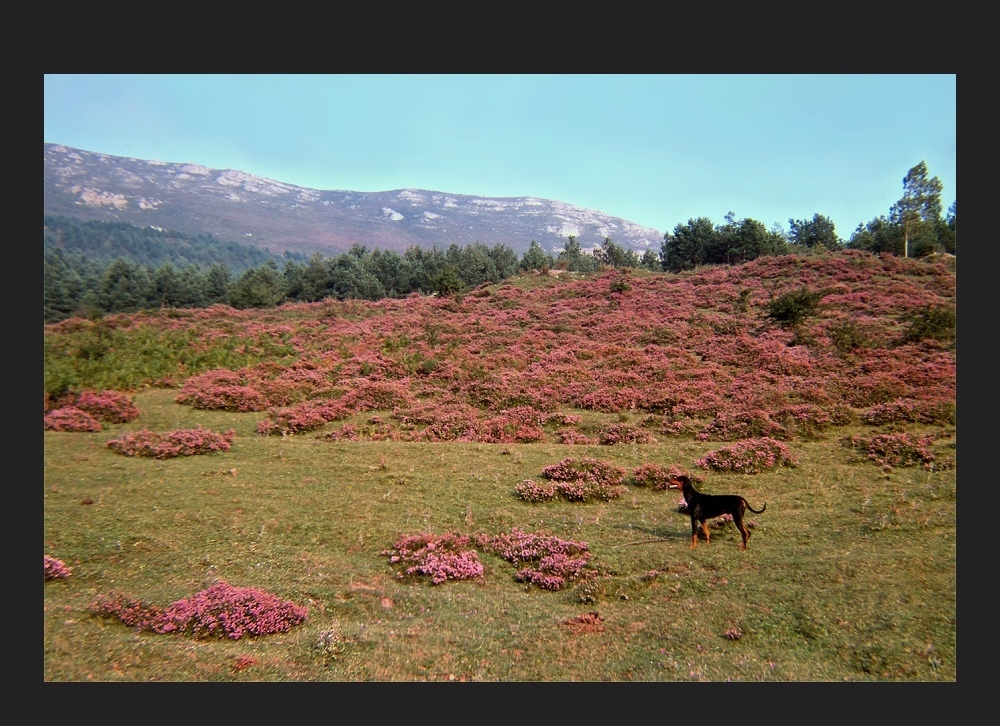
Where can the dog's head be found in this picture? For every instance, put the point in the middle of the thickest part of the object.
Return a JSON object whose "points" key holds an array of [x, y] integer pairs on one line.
{"points": [[681, 481]]}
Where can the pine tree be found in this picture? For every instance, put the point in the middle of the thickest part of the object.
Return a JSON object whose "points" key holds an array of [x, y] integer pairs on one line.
{"points": [[919, 208]]}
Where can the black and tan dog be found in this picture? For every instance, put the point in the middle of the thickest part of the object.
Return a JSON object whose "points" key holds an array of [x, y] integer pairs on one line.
{"points": [[706, 506]]}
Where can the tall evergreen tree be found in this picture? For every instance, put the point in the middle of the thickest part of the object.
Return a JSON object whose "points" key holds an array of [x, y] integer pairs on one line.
{"points": [[918, 210], [126, 288], [817, 232], [258, 287], [688, 245], [504, 259], [60, 287], [615, 255], [217, 281], [575, 258], [536, 258]]}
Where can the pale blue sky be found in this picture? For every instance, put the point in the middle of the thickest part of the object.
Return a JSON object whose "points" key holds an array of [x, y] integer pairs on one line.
{"points": [[657, 150]]}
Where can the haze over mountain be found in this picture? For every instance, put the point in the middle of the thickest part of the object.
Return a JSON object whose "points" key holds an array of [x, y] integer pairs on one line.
{"points": [[237, 206]]}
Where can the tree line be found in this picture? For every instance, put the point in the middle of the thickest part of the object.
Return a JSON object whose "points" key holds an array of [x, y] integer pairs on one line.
{"points": [[914, 227], [74, 286], [99, 243], [92, 268]]}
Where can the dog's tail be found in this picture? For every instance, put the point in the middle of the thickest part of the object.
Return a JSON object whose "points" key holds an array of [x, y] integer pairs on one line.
{"points": [[756, 511]]}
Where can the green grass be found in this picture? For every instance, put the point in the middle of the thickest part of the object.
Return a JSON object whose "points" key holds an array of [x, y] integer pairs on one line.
{"points": [[850, 573]]}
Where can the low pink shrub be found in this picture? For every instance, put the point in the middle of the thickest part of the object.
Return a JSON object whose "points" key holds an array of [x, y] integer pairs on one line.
{"points": [[584, 479], [898, 449], [749, 457], [611, 400], [221, 610], [267, 427], [377, 396], [908, 410], [110, 406], [530, 491], [241, 399], [553, 561], [441, 558], [506, 430], [182, 442], [70, 418], [553, 571], [736, 425], [572, 469], [806, 419], [573, 437], [625, 434], [56, 569], [656, 476], [347, 432], [293, 420]]}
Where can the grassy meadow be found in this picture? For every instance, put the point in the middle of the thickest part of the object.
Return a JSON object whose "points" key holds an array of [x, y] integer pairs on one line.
{"points": [[850, 573]]}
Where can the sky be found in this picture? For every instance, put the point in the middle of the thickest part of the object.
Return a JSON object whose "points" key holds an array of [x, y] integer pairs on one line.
{"points": [[656, 150]]}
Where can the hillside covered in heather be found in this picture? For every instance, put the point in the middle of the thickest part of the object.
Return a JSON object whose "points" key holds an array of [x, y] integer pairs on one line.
{"points": [[781, 347]]}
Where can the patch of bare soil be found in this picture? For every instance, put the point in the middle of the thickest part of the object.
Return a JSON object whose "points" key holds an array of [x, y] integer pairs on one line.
{"points": [[585, 623]]}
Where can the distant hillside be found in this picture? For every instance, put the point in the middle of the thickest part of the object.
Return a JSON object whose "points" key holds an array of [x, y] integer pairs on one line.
{"points": [[239, 207], [99, 243]]}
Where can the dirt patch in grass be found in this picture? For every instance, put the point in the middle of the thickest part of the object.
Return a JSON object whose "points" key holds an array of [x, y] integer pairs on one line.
{"points": [[591, 622]]}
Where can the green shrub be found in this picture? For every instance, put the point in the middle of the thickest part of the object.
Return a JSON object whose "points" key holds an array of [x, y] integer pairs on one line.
{"points": [[935, 322], [848, 335], [791, 308]]}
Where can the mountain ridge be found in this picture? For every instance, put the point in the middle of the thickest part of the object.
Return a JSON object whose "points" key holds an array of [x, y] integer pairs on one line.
{"points": [[242, 207]]}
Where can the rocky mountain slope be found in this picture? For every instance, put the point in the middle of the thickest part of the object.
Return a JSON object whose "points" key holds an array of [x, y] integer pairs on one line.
{"points": [[240, 207]]}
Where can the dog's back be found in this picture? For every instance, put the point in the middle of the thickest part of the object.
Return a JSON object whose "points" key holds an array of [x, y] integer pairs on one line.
{"points": [[702, 507]]}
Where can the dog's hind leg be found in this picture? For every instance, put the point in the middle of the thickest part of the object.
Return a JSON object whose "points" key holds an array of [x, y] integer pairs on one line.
{"points": [[741, 526], [704, 528], [745, 532]]}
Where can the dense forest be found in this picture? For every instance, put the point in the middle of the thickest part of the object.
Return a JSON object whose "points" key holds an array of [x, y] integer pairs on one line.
{"points": [[93, 268]]}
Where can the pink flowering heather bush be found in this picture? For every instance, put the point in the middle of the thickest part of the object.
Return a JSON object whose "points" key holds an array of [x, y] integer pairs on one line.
{"points": [[442, 558], [292, 420], [584, 479], [221, 610], [552, 562], [110, 406], [518, 425], [906, 410], [347, 432], [70, 418], [806, 419], [573, 437], [657, 477], [455, 422], [749, 457], [897, 449], [182, 442], [377, 396], [736, 425], [530, 491], [56, 569], [625, 434], [267, 427], [241, 399], [611, 400]]}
